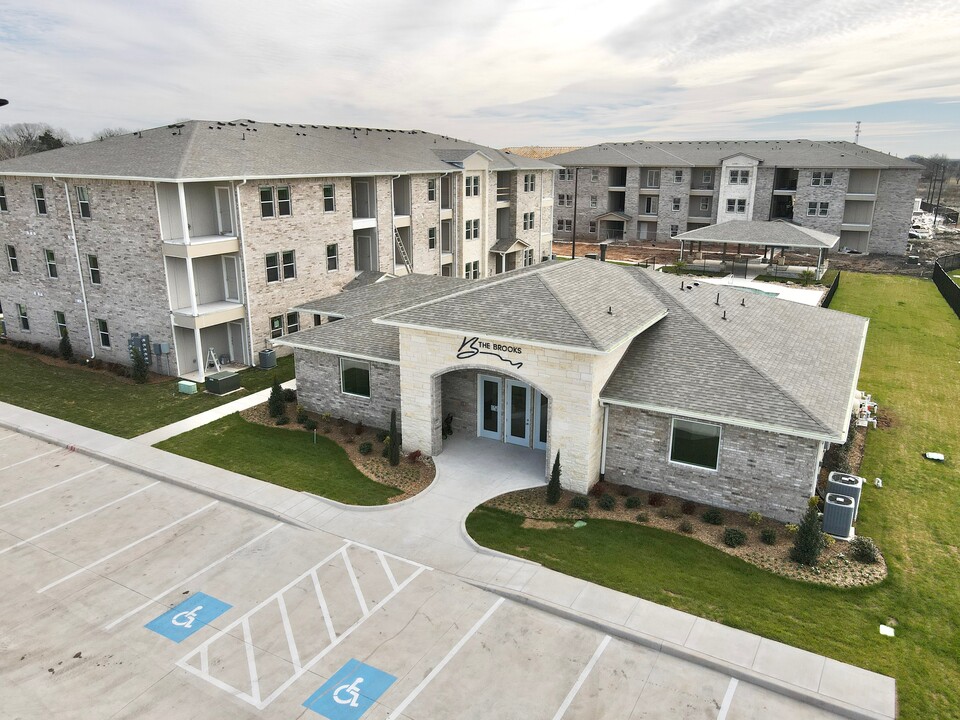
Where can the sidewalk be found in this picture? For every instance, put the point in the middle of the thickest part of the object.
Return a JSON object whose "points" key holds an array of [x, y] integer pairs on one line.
{"points": [[429, 529]]}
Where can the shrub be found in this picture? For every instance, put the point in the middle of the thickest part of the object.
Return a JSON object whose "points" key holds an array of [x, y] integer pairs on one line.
{"points": [[768, 536], [579, 502], [791, 528], [685, 526], [755, 518], [712, 516], [807, 277], [275, 403], [624, 491], [688, 507], [283, 420], [599, 488], [66, 349], [633, 502], [309, 424], [382, 435], [289, 395], [667, 513], [656, 499], [554, 491], [643, 517], [358, 428], [808, 543], [365, 448], [734, 537], [140, 370], [394, 440], [301, 414], [607, 502], [414, 456], [864, 549]]}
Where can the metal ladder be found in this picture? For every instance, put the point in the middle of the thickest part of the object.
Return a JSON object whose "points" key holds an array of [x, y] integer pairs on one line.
{"points": [[403, 251]]}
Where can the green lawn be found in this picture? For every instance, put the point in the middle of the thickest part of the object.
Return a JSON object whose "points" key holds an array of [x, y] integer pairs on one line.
{"points": [[282, 457], [911, 368], [105, 402]]}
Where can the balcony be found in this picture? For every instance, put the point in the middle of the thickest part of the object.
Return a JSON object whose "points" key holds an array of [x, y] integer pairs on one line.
{"points": [[200, 247], [364, 203], [210, 216], [209, 314]]}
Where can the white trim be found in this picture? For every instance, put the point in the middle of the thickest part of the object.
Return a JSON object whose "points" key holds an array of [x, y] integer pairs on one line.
{"points": [[332, 351], [489, 434], [673, 428], [539, 420], [344, 392], [508, 437]]}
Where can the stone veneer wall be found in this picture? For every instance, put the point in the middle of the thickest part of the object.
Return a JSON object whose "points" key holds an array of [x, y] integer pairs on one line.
{"points": [[318, 390], [766, 472], [893, 210], [459, 397]]}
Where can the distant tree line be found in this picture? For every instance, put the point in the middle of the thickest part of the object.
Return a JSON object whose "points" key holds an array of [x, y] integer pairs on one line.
{"points": [[18, 139], [933, 163]]}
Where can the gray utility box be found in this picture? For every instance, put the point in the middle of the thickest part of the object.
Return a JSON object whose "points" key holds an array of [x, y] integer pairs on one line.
{"points": [[846, 484], [838, 516], [268, 359], [222, 382]]}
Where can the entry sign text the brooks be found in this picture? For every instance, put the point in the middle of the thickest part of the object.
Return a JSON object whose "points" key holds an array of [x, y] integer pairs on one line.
{"points": [[471, 347]]}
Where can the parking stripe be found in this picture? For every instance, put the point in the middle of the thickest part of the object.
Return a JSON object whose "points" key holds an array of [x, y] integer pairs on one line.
{"points": [[7, 437], [31, 459], [81, 517], [356, 584], [288, 631], [397, 711], [127, 547], [323, 606], [50, 487], [727, 699], [387, 570], [157, 597], [583, 676], [251, 660]]}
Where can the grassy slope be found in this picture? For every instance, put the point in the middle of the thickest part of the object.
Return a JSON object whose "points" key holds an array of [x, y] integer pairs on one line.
{"points": [[105, 402], [911, 368], [281, 457]]}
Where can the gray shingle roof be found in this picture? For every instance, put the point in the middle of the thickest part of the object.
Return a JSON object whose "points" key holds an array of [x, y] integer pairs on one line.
{"points": [[710, 153], [772, 362], [780, 233], [199, 149]]}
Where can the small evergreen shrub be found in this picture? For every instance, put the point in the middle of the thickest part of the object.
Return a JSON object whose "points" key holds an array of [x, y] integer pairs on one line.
{"points": [[808, 542], [768, 536], [554, 491], [301, 414], [633, 502], [685, 526], [656, 499], [139, 371], [309, 424], [365, 448], [607, 502], [668, 514], [66, 349], [643, 517], [688, 507], [579, 502], [394, 453], [289, 395], [864, 549], [734, 537], [283, 420], [755, 518], [712, 516], [382, 435], [275, 403]]}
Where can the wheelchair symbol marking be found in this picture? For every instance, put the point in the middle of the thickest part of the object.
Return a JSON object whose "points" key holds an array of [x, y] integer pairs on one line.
{"points": [[352, 691], [180, 622], [188, 617]]}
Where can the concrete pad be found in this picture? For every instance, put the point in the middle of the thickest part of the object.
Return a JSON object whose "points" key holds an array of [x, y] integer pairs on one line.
{"points": [[725, 643], [661, 622], [613, 686], [553, 586], [606, 604], [677, 688], [860, 687], [754, 703], [789, 664]]}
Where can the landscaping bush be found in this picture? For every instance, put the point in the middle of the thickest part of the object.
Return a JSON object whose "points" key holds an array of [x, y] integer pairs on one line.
{"points": [[309, 424], [289, 395], [808, 543], [607, 502], [599, 488], [394, 446], [685, 526], [633, 502], [768, 536], [283, 420], [359, 428], [579, 502], [414, 456], [807, 277], [688, 507], [66, 349], [275, 403], [755, 518], [734, 537], [365, 448], [382, 435], [712, 516], [864, 549], [554, 491], [656, 499], [140, 371], [301, 414], [667, 513], [624, 490], [643, 517]]}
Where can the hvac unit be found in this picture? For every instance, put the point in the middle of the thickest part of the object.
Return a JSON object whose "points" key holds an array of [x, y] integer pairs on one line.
{"points": [[268, 359], [838, 516], [846, 484]]}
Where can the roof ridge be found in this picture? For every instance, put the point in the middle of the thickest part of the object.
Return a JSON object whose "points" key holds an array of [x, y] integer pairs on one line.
{"points": [[185, 155], [570, 312]]}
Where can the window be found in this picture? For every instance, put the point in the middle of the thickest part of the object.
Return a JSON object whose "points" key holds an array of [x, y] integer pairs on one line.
{"points": [[83, 202], [529, 220], [565, 200], [104, 333], [593, 201], [695, 443], [674, 230], [273, 267], [40, 199], [650, 206], [705, 203], [736, 206], [12, 259], [822, 177], [818, 208], [24, 320], [677, 177], [676, 204], [473, 186], [333, 261], [61, 319], [564, 225], [432, 238], [266, 202], [94, 264], [51, 261], [529, 182], [471, 229], [289, 258], [276, 326], [431, 190], [527, 258], [594, 175], [355, 377], [565, 174], [593, 226], [471, 271], [284, 206], [3, 199], [329, 198], [707, 177], [317, 319], [653, 178], [293, 322], [739, 177]]}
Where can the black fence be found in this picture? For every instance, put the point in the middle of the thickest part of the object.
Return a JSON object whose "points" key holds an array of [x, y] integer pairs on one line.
{"points": [[832, 291], [946, 284]]}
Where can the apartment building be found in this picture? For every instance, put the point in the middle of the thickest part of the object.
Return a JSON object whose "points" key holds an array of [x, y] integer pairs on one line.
{"points": [[203, 235], [650, 191]]}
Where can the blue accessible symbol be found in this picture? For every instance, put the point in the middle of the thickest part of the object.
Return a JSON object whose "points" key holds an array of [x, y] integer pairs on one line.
{"points": [[350, 692], [185, 619]]}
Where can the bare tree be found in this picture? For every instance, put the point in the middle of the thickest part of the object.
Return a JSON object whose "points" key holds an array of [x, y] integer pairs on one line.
{"points": [[109, 132], [19, 139]]}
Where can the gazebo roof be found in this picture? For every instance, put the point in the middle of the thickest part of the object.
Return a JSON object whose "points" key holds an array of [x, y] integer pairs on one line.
{"points": [[779, 233]]}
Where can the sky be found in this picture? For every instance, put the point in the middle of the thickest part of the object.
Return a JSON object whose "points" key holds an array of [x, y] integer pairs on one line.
{"points": [[497, 72]]}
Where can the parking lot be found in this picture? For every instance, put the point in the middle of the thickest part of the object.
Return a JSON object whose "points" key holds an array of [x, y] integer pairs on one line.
{"points": [[127, 597]]}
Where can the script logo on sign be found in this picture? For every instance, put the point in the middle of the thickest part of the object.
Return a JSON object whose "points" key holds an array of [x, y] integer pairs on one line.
{"points": [[471, 347]]}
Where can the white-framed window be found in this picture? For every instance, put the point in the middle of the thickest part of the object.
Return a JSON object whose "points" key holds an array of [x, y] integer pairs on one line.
{"points": [[674, 230], [83, 202], [431, 190], [276, 326], [822, 177], [272, 261], [94, 264], [527, 258], [529, 182], [61, 319], [739, 177], [293, 322], [594, 175], [288, 259], [564, 225], [284, 203], [40, 199], [565, 200], [50, 260], [593, 201], [472, 188], [735, 205], [704, 203], [695, 443], [266, 202], [3, 199], [677, 177], [650, 205], [22, 315], [354, 377], [707, 177], [333, 256], [593, 227], [12, 259], [529, 220], [104, 332], [565, 174], [329, 198], [432, 238], [676, 204], [818, 209], [653, 178], [471, 229], [471, 271]]}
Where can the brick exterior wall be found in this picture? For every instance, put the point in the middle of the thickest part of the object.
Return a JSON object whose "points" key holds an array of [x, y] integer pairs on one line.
{"points": [[763, 194], [318, 390], [834, 194], [666, 215], [769, 473], [892, 212]]}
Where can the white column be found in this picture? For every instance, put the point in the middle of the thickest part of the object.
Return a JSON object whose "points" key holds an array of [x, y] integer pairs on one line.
{"points": [[201, 361]]}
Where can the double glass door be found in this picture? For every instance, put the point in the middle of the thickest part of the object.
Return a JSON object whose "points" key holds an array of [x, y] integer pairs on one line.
{"points": [[511, 411]]}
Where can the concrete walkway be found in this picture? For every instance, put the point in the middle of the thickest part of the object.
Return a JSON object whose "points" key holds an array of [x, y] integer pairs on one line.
{"points": [[429, 529]]}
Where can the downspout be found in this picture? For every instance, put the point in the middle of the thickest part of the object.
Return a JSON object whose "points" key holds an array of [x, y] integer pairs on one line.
{"points": [[540, 223], [243, 263], [485, 253], [76, 251], [440, 224], [603, 442]]}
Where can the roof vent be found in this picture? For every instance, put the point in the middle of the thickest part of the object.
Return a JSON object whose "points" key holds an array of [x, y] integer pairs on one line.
{"points": [[724, 315], [610, 310], [743, 302], [717, 303]]}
